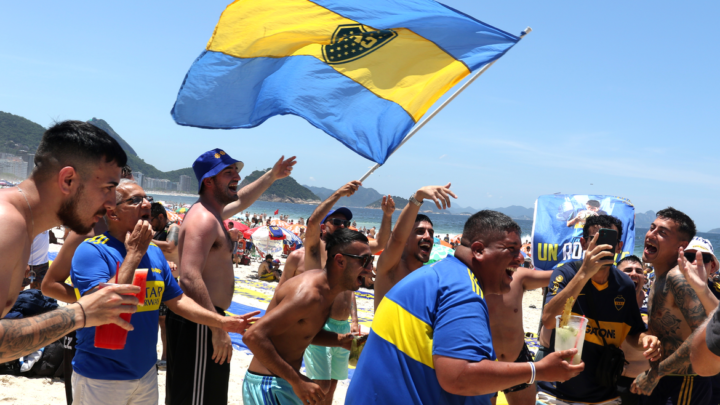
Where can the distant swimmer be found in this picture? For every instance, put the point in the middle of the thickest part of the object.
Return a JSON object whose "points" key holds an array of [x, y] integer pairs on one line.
{"points": [[295, 318]]}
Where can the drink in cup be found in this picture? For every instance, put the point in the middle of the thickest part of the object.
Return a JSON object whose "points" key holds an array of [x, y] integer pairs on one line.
{"points": [[111, 336], [140, 280], [571, 336]]}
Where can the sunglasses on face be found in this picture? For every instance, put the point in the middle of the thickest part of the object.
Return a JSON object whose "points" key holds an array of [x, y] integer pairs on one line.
{"points": [[365, 260], [137, 200], [338, 222], [706, 257]]}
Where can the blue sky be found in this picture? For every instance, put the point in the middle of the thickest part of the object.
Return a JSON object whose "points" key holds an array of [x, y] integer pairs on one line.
{"points": [[602, 97]]}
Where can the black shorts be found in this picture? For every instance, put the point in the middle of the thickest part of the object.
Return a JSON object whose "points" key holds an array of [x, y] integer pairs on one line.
{"points": [[40, 271], [681, 390], [193, 378], [525, 356]]}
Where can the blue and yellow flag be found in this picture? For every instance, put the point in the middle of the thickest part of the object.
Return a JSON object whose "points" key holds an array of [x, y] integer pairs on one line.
{"points": [[363, 71]]}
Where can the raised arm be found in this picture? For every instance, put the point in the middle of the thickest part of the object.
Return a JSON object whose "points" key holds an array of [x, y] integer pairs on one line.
{"points": [[595, 258], [533, 279], [250, 193], [53, 285], [312, 234], [388, 207], [696, 276]]}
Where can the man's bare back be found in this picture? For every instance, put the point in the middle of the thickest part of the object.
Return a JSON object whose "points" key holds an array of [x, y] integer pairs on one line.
{"points": [[293, 341], [506, 314], [217, 271]]}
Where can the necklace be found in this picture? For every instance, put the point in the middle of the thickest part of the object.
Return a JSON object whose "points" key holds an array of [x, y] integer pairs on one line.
{"points": [[32, 219]]}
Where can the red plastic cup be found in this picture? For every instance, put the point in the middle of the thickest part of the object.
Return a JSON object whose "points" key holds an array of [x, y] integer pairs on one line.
{"points": [[140, 280], [111, 336]]}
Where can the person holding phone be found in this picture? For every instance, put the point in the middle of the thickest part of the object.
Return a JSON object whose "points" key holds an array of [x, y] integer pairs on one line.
{"points": [[606, 297]]}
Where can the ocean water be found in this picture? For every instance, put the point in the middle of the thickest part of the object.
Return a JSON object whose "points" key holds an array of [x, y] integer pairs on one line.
{"points": [[443, 223]]}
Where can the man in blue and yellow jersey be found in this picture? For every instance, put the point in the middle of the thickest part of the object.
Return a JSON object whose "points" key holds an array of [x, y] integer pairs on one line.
{"points": [[606, 296], [128, 376], [430, 342]]}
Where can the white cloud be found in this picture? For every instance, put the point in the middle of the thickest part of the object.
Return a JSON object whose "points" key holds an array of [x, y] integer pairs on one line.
{"points": [[312, 178]]}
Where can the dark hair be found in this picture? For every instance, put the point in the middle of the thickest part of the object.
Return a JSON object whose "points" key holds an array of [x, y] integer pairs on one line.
{"points": [[423, 218], [268, 256], [604, 221], [126, 172], [231, 225], [593, 203], [485, 225], [341, 239], [156, 209], [631, 259], [76, 144], [686, 226]]}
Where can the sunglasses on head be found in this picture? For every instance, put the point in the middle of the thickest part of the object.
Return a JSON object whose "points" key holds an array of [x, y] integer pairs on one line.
{"points": [[338, 222], [365, 260], [137, 200], [707, 257]]}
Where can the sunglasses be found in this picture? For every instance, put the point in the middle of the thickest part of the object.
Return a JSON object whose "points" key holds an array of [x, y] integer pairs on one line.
{"points": [[338, 222], [365, 260], [690, 256], [137, 200]]}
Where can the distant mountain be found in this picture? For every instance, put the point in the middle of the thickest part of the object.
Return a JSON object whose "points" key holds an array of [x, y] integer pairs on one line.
{"points": [[284, 190], [516, 212], [361, 198], [716, 230], [400, 203], [644, 220], [102, 124], [18, 133]]}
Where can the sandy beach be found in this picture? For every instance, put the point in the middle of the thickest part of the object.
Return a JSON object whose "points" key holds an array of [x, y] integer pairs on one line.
{"points": [[248, 291]]}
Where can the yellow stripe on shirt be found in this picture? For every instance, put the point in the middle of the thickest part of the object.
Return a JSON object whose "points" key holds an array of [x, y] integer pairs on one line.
{"points": [[408, 70], [406, 332]]}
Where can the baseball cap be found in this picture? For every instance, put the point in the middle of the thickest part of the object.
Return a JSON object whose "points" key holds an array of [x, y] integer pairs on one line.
{"points": [[702, 245], [342, 210], [211, 163]]}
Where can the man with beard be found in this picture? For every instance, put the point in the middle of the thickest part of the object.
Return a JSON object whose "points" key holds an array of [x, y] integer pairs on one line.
{"points": [[675, 312], [295, 318], [77, 169], [128, 376], [328, 365], [431, 343], [206, 276], [411, 242]]}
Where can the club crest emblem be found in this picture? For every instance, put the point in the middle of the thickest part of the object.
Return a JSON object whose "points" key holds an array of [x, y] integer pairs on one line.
{"points": [[353, 41], [619, 302]]}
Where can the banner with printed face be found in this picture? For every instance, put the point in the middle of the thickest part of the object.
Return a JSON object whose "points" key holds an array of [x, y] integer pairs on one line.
{"points": [[559, 221]]}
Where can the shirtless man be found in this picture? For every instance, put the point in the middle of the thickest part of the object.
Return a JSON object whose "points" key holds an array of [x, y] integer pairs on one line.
{"points": [[675, 312], [411, 242], [234, 234], [206, 276], [327, 365], [267, 271], [506, 325], [295, 318], [73, 183]]}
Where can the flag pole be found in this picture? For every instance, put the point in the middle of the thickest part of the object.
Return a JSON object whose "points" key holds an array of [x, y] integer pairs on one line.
{"points": [[417, 127]]}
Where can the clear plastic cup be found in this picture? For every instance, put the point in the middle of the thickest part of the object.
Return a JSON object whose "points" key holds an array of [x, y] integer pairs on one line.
{"points": [[111, 336], [140, 280], [571, 336]]}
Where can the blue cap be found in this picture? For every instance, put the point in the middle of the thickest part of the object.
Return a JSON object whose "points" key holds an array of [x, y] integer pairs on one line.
{"points": [[211, 163], [342, 210]]}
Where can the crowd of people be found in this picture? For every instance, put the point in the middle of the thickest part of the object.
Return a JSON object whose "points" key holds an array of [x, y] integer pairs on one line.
{"points": [[447, 333]]}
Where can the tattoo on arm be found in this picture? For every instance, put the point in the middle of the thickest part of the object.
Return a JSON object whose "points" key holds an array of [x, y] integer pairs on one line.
{"points": [[19, 337], [688, 302], [174, 234], [678, 362]]}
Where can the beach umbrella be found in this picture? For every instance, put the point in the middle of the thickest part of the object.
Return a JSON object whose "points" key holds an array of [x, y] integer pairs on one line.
{"points": [[236, 224], [173, 217], [439, 252], [295, 228], [263, 242], [443, 243], [249, 233], [291, 237], [182, 210], [280, 223]]}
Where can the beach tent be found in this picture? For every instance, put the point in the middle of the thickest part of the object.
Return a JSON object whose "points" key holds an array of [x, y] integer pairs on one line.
{"points": [[439, 252]]}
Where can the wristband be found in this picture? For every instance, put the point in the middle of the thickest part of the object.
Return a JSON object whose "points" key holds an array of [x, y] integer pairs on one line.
{"points": [[532, 375], [84, 315]]}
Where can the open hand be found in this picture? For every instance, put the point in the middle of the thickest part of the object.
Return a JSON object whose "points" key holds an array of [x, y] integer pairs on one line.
{"points": [[239, 323], [283, 168], [695, 273], [439, 194], [388, 205], [652, 347], [596, 257], [222, 346]]}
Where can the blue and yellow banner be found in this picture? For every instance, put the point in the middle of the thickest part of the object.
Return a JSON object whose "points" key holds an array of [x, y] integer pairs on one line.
{"points": [[363, 71], [559, 221]]}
